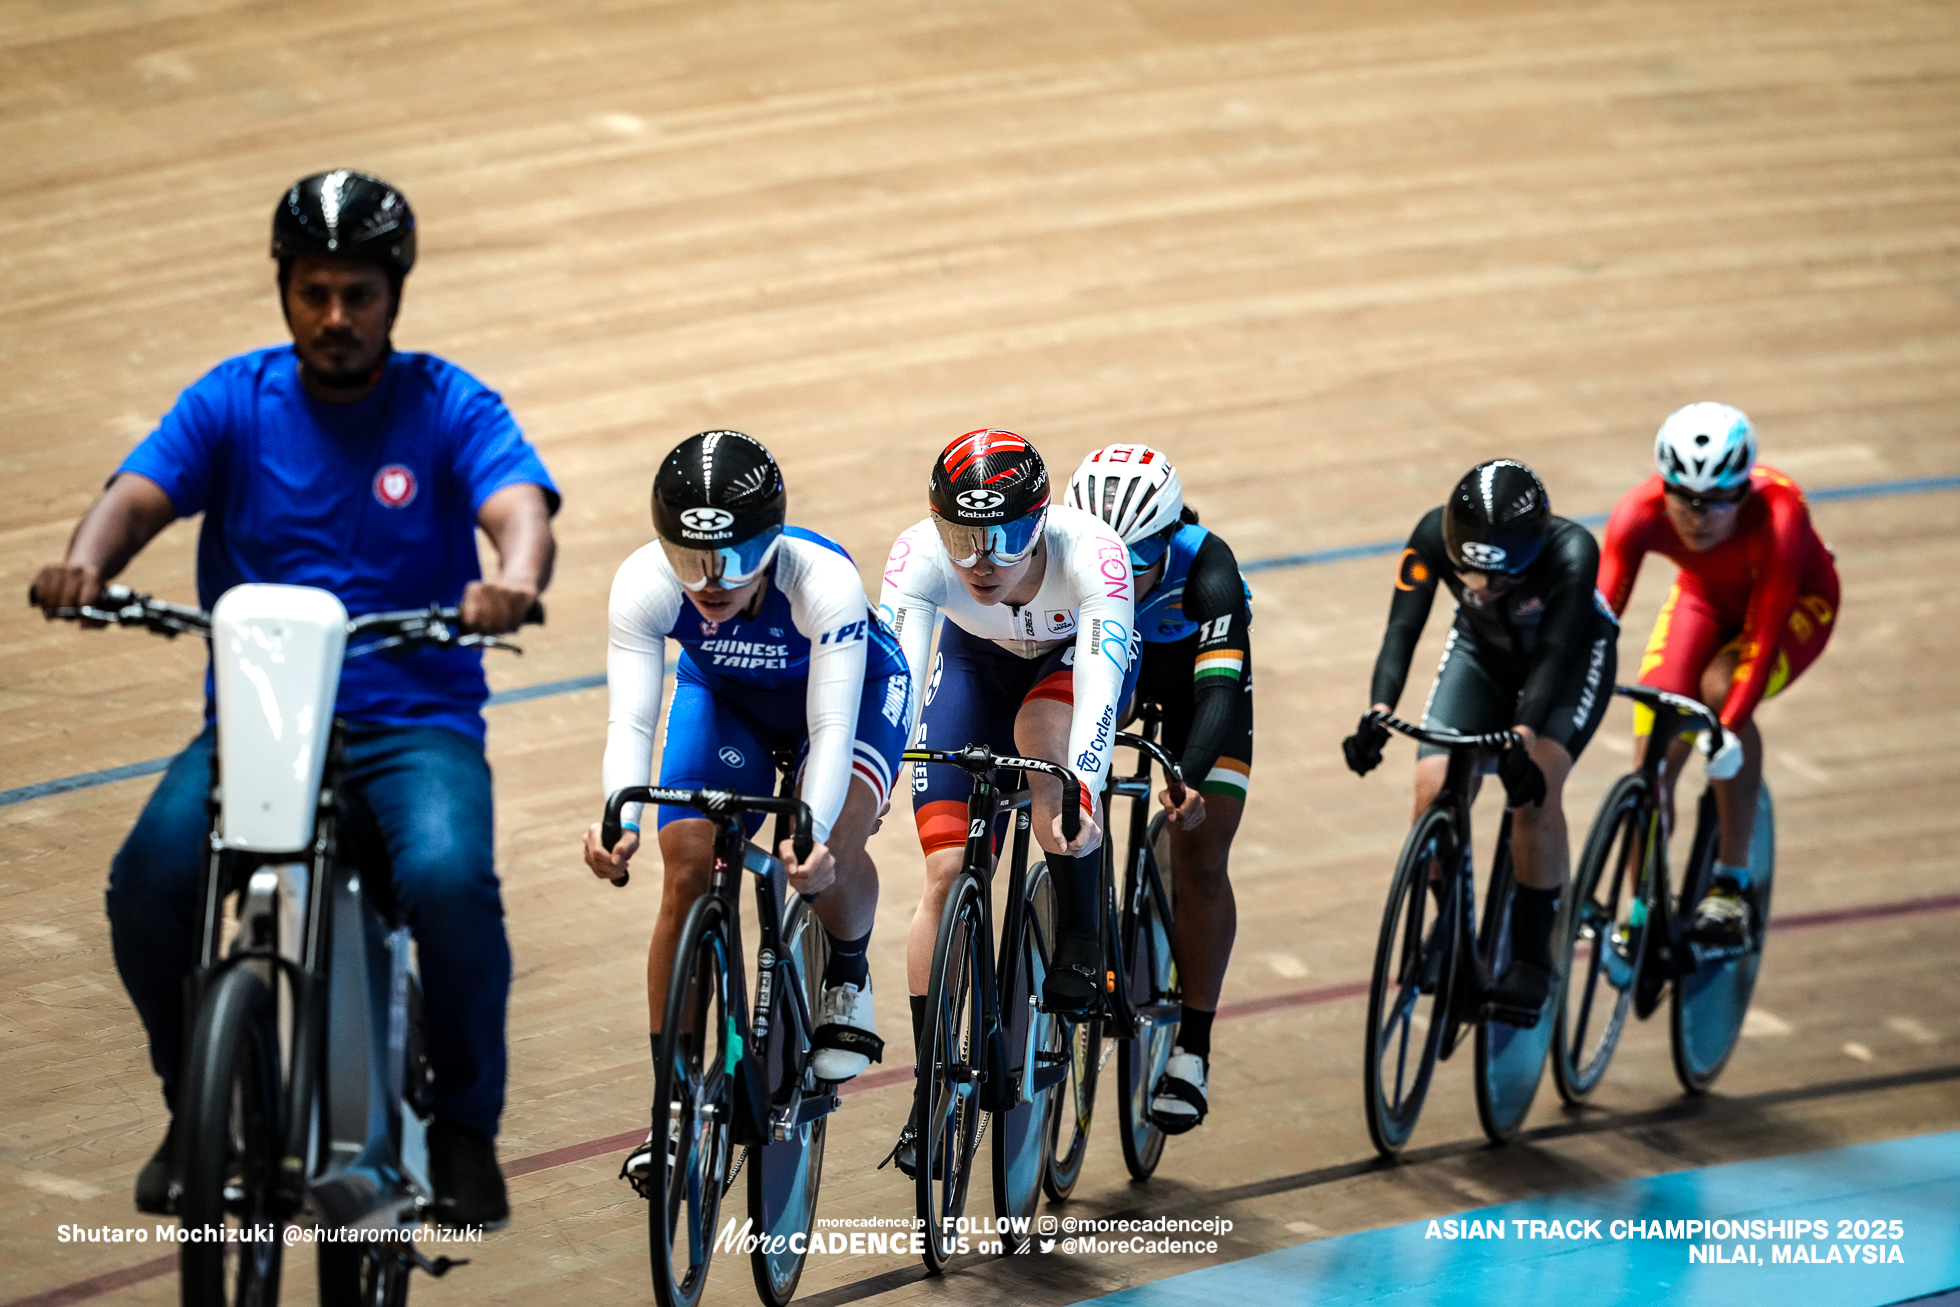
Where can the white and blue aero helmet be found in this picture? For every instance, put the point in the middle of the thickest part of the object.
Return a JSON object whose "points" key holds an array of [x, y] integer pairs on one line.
{"points": [[1704, 447]]}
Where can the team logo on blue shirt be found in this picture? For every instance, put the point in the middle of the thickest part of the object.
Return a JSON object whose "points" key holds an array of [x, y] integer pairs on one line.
{"points": [[394, 486]]}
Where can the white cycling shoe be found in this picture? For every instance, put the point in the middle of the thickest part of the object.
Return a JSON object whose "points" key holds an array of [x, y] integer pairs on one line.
{"points": [[846, 1037], [1179, 1100]]}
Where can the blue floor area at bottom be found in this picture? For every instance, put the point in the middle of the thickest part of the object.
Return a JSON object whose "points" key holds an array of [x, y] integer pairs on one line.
{"points": [[1913, 1181]]}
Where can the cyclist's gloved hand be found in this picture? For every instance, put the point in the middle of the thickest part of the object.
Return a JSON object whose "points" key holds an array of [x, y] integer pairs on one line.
{"points": [[1725, 762], [1363, 749], [1523, 781]]}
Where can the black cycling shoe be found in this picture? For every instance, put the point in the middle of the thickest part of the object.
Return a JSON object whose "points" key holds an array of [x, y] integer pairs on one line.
{"points": [[1518, 997], [469, 1187], [155, 1191], [1074, 976], [905, 1153]]}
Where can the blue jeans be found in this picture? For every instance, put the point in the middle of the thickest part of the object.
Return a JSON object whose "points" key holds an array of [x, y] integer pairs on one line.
{"points": [[424, 792]]}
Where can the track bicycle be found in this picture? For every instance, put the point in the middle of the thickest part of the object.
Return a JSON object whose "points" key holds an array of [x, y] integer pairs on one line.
{"points": [[1432, 947], [1624, 938], [728, 1075], [306, 1087], [1141, 1010], [989, 1051]]}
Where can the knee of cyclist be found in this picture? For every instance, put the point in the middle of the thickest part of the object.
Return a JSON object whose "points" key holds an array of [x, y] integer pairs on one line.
{"points": [[446, 874]]}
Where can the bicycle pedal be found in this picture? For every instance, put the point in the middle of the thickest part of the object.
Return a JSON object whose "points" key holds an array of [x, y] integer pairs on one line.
{"points": [[1521, 1018], [1046, 1058]]}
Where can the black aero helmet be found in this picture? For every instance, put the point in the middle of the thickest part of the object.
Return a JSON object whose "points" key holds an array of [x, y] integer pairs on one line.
{"points": [[1496, 518], [348, 215], [718, 507], [989, 494]]}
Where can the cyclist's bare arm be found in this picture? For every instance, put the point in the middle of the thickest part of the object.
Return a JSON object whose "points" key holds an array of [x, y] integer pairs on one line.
{"points": [[130, 513], [518, 521]]}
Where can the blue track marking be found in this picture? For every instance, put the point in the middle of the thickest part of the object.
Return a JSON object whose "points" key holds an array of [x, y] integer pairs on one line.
{"points": [[1916, 1181], [1867, 490]]}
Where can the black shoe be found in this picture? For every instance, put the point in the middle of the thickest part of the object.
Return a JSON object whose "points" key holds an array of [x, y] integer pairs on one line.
{"points": [[1074, 976], [156, 1190], [469, 1187], [1518, 997], [905, 1153]]}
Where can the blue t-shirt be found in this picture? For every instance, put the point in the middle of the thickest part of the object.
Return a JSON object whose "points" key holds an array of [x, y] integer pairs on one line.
{"points": [[374, 501], [767, 652]]}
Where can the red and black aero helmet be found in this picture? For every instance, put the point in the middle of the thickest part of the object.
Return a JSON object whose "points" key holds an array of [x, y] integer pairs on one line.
{"points": [[989, 494], [348, 215]]}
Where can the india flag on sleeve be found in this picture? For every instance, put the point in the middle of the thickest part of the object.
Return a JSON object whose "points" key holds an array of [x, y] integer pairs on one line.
{"points": [[1230, 776], [1219, 662]]}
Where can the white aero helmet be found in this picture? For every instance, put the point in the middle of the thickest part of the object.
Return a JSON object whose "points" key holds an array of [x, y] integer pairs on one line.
{"points": [[1133, 488], [1704, 447]]}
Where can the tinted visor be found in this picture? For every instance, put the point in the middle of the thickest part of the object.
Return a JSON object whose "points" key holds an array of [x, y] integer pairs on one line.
{"points": [[1006, 543], [1145, 552], [728, 566]]}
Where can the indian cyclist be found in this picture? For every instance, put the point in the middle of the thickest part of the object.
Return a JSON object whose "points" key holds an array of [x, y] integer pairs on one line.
{"points": [[342, 463], [1531, 650], [779, 650], [1036, 656], [1194, 618], [1753, 604]]}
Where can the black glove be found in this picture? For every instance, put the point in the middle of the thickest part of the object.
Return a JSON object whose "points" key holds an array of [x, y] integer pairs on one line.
{"points": [[1363, 749], [1523, 782]]}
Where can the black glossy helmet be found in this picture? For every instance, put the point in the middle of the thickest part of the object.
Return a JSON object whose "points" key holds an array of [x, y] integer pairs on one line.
{"points": [[1496, 518], [718, 506], [989, 494], [349, 215]]}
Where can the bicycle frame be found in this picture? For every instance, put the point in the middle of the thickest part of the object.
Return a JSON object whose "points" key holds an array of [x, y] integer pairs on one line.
{"points": [[767, 1112], [1142, 875], [984, 805]]}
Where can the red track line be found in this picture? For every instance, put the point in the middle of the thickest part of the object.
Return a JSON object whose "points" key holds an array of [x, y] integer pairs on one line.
{"points": [[108, 1282]]}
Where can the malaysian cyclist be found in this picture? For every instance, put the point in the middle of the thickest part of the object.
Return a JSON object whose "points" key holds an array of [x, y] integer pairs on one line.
{"points": [[1531, 650], [342, 463], [1194, 618], [1753, 604], [1036, 656], [779, 651]]}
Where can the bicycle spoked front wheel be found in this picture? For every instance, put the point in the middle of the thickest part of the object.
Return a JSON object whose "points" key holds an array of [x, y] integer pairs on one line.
{"points": [[1152, 980], [785, 1174], [1602, 939], [231, 1146], [1711, 1001], [947, 1101], [1415, 958], [693, 1108], [1037, 1047]]}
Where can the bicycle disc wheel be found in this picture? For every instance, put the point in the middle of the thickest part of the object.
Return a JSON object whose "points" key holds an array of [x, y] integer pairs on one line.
{"points": [[947, 1100], [693, 1107], [1021, 1133], [231, 1112], [1602, 940], [1711, 1001], [1415, 956], [1152, 979], [362, 1275], [1510, 1059], [784, 1175]]}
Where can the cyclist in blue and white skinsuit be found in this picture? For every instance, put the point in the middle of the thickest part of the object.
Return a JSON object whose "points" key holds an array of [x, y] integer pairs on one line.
{"points": [[779, 647], [1037, 655]]}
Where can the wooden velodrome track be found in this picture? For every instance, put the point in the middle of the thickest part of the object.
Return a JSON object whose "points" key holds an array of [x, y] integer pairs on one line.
{"points": [[1327, 256]]}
